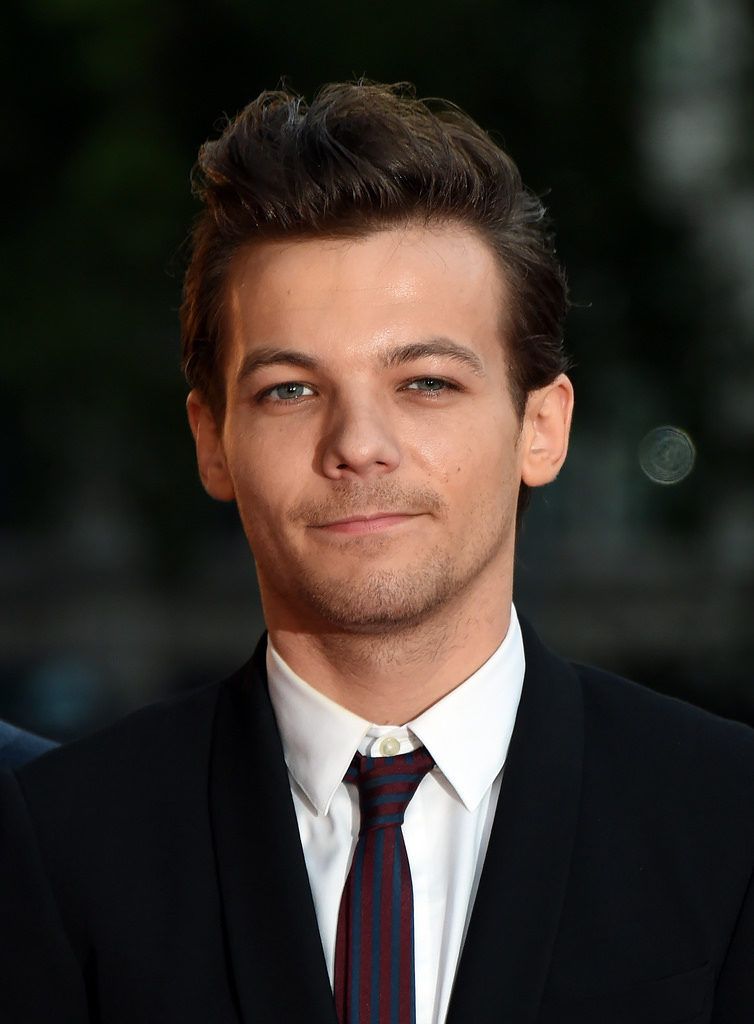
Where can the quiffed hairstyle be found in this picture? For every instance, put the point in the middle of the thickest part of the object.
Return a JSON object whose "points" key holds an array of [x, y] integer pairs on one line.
{"points": [[361, 157]]}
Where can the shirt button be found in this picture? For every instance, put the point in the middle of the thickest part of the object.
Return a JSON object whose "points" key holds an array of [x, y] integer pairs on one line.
{"points": [[389, 746]]}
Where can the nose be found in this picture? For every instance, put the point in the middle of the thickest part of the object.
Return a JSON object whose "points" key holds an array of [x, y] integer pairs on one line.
{"points": [[359, 441]]}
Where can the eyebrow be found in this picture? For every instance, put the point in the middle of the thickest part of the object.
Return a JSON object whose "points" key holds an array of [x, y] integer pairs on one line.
{"points": [[272, 356], [435, 347]]}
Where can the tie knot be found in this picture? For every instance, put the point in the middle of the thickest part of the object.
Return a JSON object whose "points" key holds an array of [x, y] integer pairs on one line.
{"points": [[386, 785]]}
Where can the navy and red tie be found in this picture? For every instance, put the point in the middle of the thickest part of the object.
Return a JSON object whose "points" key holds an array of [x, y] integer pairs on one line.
{"points": [[374, 948]]}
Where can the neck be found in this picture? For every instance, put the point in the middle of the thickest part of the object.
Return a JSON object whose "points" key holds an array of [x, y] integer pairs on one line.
{"points": [[391, 677]]}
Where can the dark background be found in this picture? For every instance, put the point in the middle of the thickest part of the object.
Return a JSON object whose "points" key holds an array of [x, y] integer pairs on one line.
{"points": [[121, 581]]}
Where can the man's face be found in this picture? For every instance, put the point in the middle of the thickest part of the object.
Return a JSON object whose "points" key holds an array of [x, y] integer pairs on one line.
{"points": [[369, 439]]}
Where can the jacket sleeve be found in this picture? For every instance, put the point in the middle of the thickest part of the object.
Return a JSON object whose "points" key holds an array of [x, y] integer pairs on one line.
{"points": [[40, 978], [734, 996]]}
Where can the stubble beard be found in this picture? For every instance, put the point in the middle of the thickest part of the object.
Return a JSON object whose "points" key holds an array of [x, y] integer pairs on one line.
{"points": [[382, 600], [389, 601]]}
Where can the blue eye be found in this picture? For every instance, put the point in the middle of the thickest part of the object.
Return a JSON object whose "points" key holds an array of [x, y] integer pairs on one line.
{"points": [[288, 392], [430, 385]]}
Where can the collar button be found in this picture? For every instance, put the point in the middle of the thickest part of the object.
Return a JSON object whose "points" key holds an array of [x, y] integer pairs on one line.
{"points": [[389, 747]]}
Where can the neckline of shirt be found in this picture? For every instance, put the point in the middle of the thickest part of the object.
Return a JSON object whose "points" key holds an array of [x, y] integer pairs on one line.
{"points": [[467, 732]]}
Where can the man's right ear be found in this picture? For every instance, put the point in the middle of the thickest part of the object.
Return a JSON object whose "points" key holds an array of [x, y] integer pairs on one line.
{"points": [[210, 455]]}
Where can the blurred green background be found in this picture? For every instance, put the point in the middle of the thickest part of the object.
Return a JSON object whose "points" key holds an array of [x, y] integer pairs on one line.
{"points": [[121, 581]]}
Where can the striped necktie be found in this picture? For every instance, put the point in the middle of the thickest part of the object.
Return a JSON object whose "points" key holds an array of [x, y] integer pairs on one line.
{"points": [[374, 948]]}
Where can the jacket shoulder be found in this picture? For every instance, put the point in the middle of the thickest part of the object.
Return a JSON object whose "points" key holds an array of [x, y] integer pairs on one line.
{"points": [[611, 696], [17, 746], [671, 746], [131, 759]]}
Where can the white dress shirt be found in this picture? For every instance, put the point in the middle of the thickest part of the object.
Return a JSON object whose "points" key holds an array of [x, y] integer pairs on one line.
{"points": [[447, 823]]}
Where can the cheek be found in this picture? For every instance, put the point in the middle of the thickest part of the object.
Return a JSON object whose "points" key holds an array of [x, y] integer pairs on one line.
{"points": [[268, 483], [258, 480], [471, 456], [443, 453], [482, 478]]}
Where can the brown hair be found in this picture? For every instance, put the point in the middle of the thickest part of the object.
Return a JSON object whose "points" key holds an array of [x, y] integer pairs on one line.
{"points": [[364, 156]]}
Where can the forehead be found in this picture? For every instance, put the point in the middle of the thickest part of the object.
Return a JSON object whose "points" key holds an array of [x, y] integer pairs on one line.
{"points": [[391, 284]]}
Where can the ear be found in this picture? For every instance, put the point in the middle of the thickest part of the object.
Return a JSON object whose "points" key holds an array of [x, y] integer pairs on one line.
{"points": [[545, 431], [210, 455]]}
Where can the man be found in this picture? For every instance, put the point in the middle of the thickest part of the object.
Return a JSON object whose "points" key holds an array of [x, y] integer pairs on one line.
{"points": [[17, 747], [403, 808]]}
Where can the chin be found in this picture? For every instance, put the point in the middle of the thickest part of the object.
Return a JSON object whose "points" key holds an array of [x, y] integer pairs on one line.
{"points": [[378, 601]]}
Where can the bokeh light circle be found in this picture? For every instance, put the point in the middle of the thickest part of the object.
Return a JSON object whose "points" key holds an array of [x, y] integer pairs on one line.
{"points": [[667, 455]]}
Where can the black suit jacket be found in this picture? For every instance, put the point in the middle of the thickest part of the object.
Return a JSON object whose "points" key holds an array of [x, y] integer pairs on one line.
{"points": [[153, 872], [17, 747]]}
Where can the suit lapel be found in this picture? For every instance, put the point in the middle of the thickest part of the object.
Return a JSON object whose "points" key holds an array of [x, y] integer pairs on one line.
{"points": [[506, 957], [273, 942], [274, 950]]}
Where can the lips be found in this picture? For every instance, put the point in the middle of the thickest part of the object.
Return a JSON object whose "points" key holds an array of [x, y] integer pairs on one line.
{"points": [[367, 518], [367, 523]]}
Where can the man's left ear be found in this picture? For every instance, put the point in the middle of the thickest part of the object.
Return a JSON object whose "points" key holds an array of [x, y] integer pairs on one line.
{"points": [[545, 431]]}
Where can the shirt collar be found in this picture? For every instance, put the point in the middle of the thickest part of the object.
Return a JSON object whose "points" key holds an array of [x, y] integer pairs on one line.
{"points": [[467, 732]]}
